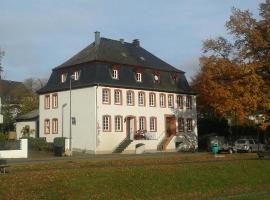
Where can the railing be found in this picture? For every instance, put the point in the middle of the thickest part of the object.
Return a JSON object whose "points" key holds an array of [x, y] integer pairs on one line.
{"points": [[144, 135]]}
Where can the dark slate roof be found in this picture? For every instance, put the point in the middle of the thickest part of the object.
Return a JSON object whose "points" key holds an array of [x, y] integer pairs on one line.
{"points": [[95, 63], [113, 51], [32, 115], [97, 73]]}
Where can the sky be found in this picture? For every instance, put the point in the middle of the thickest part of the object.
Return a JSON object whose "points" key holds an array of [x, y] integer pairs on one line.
{"points": [[38, 35]]}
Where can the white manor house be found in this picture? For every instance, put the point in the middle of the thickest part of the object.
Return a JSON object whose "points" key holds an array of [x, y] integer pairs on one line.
{"points": [[114, 96]]}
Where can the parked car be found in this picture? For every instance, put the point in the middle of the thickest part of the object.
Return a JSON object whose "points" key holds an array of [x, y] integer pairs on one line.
{"points": [[248, 145]]}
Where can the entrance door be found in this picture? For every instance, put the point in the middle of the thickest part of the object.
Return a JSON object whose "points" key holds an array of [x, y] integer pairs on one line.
{"points": [[130, 127], [170, 126]]}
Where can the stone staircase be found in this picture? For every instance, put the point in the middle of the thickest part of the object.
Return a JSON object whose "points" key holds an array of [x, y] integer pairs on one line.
{"points": [[123, 145], [164, 143]]}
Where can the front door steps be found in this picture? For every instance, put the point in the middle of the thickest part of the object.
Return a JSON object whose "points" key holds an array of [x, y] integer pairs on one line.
{"points": [[123, 145]]}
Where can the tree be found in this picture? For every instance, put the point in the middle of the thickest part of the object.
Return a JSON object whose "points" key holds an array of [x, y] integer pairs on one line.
{"points": [[234, 79]]}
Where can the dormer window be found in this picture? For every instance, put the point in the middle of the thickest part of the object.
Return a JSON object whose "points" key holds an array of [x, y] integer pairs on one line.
{"points": [[115, 74], [138, 76], [76, 75], [156, 76], [63, 77], [174, 77]]}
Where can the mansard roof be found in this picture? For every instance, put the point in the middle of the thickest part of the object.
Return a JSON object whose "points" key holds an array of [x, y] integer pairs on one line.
{"points": [[97, 73], [96, 61], [119, 52]]}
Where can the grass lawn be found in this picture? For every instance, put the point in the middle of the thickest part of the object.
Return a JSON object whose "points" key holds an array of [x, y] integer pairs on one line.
{"points": [[172, 177]]}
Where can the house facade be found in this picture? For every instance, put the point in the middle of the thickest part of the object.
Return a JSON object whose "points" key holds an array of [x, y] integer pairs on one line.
{"points": [[1, 116], [113, 96]]}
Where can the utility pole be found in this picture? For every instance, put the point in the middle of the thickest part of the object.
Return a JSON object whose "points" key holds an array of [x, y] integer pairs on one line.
{"points": [[2, 53]]}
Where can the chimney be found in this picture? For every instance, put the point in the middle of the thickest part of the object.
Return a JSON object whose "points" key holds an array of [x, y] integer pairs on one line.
{"points": [[136, 42], [97, 38], [122, 41]]}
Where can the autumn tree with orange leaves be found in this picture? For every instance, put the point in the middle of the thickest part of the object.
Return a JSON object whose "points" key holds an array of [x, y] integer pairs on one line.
{"points": [[234, 79]]}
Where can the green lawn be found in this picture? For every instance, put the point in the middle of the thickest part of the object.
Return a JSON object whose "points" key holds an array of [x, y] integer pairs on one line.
{"points": [[148, 178]]}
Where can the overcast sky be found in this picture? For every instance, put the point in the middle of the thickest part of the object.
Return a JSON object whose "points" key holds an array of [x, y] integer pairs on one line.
{"points": [[38, 35]]}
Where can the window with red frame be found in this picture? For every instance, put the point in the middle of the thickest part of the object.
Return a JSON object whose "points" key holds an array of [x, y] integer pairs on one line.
{"points": [[189, 125], [181, 124], [189, 102], [118, 123], [141, 99], [170, 101], [153, 124], [142, 123], [47, 101], [47, 126], [106, 123], [54, 126], [130, 98], [106, 96], [54, 101], [162, 100], [152, 99], [117, 97], [179, 101]]}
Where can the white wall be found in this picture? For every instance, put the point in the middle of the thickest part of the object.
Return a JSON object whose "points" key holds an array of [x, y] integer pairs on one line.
{"points": [[108, 141], [1, 116], [83, 109], [88, 135], [21, 125], [22, 153]]}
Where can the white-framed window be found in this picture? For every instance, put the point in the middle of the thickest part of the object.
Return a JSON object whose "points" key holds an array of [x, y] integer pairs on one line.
{"points": [[141, 99], [189, 102], [76, 75], [106, 123], [115, 73], [118, 123], [130, 98], [106, 96], [152, 99], [162, 100], [47, 126], [63, 77], [117, 97], [153, 124], [54, 101], [47, 101], [54, 126], [170, 101], [179, 101], [181, 124], [142, 123], [189, 125], [138, 76]]}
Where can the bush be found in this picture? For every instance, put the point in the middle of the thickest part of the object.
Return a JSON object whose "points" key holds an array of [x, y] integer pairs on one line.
{"points": [[3, 137], [39, 144]]}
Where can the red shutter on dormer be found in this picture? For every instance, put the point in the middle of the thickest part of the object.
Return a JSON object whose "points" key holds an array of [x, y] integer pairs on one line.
{"points": [[175, 77], [117, 67], [138, 70]]}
